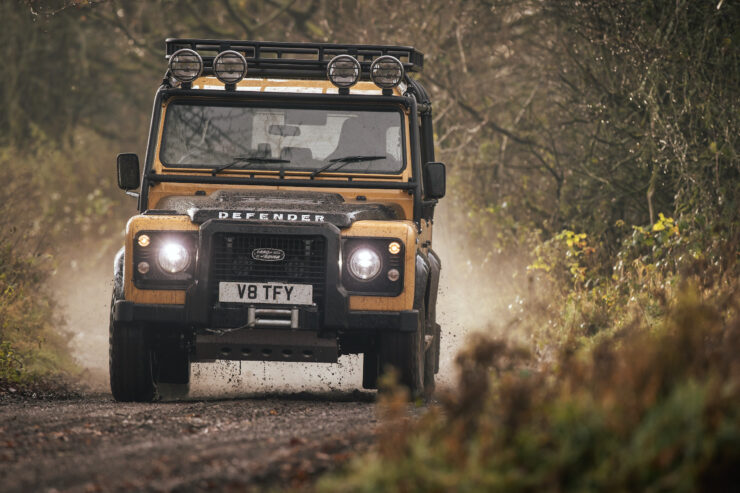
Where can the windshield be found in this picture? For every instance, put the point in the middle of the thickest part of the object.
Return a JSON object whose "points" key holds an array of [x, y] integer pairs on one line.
{"points": [[289, 139]]}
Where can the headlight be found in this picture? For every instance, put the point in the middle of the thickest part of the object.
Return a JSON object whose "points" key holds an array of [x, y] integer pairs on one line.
{"points": [[364, 264], [186, 65], [164, 259], [343, 71], [373, 266], [173, 257]]}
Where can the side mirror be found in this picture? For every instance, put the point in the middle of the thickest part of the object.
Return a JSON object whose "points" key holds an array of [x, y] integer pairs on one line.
{"points": [[128, 171], [435, 181]]}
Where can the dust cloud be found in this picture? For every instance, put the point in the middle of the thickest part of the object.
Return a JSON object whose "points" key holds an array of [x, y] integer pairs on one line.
{"points": [[472, 297]]}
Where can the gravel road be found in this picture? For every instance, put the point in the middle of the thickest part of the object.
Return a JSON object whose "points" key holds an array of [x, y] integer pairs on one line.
{"points": [[91, 443], [249, 426]]}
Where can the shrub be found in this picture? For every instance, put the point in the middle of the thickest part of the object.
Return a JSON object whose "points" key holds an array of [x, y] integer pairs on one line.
{"points": [[33, 345], [649, 410]]}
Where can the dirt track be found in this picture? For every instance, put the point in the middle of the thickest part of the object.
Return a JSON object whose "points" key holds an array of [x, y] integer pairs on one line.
{"points": [[93, 444], [295, 422]]}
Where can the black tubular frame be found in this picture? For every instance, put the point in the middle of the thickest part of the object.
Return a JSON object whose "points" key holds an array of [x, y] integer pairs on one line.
{"points": [[279, 59], [414, 187]]}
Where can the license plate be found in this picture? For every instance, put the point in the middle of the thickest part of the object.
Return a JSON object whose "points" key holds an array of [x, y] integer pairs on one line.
{"points": [[275, 293]]}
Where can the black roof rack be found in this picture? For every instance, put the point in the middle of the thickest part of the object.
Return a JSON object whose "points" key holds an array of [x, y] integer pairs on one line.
{"points": [[304, 60]]}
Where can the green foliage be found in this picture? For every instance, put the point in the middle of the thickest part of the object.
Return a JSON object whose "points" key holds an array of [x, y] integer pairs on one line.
{"points": [[654, 409], [10, 364], [628, 381], [564, 256], [33, 345]]}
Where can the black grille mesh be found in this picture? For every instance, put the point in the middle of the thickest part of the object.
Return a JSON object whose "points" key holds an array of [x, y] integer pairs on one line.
{"points": [[304, 262]]}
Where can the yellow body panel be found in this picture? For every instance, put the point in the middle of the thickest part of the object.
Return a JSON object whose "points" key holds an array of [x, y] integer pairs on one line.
{"points": [[406, 231], [144, 223], [304, 86]]}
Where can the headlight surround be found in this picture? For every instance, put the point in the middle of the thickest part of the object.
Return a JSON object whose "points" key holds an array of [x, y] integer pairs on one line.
{"points": [[173, 257], [170, 257], [364, 263], [370, 268]]}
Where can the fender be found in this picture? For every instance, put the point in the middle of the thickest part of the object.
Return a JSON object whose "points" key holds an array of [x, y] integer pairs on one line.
{"points": [[428, 268], [421, 279]]}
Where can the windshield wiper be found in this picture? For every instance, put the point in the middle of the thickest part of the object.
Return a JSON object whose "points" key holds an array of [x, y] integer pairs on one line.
{"points": [[345, 160], [245, 159]]}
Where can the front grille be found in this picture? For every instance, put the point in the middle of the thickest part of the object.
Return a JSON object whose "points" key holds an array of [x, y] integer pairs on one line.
{"points": [[304, 262]]}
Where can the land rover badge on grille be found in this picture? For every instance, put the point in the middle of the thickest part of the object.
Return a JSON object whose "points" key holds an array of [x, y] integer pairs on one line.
{"points": [[268, 254]]}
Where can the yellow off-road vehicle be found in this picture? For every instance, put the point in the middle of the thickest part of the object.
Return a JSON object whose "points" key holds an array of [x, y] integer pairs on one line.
{"points": [[285, 214]]}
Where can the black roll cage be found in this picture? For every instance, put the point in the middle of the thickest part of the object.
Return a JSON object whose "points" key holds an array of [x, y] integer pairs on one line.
{"points": [[279, 59]]}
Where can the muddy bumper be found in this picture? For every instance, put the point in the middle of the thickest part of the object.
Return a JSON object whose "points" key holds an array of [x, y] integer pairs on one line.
{"points": [[128, 312]]}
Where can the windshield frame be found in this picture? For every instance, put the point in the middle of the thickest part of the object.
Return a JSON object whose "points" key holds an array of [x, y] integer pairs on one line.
{"points": [[384, 107]]}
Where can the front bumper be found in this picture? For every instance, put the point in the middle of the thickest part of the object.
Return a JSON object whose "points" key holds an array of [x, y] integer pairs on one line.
{"points": [[128, 312]]}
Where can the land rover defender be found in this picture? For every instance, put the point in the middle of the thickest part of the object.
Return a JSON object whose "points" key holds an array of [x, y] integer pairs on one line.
{"points": [[285, 214]]}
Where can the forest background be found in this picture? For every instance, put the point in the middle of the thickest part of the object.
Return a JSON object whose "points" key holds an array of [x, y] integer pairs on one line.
{"points": [[593, 171]]}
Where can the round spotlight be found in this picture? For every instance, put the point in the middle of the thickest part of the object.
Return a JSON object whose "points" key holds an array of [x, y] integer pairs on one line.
{"points": [[186, 65], [394, 247], [343, 71], [230, 67], [144, 240], [173, 257], [364, 264], [387, 72]]}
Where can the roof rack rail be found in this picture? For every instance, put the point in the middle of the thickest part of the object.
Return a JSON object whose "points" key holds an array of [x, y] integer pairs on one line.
{"points": [[294, 60]]}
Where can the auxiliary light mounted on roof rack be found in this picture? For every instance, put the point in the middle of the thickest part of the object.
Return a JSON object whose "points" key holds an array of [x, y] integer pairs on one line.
{"points": [[304, 60]]}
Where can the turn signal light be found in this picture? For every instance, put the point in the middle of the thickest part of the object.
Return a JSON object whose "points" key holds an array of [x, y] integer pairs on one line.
{"points": [[144, 240], [394, 247]]}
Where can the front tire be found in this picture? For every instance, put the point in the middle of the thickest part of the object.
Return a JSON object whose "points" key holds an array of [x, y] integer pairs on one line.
{"points": [[130, 364]]}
